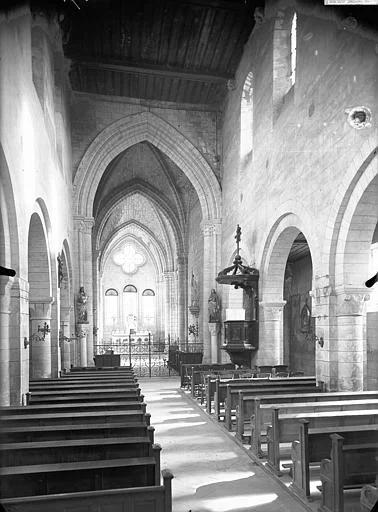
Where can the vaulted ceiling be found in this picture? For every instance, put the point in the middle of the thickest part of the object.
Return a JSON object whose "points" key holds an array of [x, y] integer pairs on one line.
{"points": [[168, 50]]}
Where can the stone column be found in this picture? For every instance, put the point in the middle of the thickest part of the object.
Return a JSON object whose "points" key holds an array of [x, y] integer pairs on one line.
{"points": [[82, 340], [40, 348], [323, 309], [214, 328], [5, 286], [65, 331], [350, 351], [170, 306], [271, 333], [211, 230], [83, 230], [182, 271]]}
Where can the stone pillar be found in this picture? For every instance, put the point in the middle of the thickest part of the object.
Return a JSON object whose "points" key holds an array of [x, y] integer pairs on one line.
{"points": [[211, 230], [5, 286], [170, 306], [82, 341], [271, 333], [65, 331], [40, 348], [83, 231], [182, 271], [350, 351], [214, 328]]}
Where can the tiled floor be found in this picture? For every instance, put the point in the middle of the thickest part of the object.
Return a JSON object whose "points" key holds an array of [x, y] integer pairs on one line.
{"points": [[211, 472]]}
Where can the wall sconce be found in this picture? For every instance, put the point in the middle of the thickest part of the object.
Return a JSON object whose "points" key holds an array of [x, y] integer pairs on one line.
{"points": [[44, 330], [36, 337], [95, 329], [312, 337]]}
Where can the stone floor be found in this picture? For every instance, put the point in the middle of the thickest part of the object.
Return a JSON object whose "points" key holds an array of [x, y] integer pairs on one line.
{"points": [[211, 472]]}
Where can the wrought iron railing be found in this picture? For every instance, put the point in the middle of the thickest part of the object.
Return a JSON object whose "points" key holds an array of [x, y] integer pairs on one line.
{"points": [[147, 355]]}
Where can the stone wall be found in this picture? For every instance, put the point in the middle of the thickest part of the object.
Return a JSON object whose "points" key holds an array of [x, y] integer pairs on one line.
{"points": [[35, 167], [306, 157]]}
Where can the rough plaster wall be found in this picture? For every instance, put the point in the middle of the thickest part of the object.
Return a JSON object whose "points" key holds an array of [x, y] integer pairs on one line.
{"points": [[195, 257], [92, 113]]}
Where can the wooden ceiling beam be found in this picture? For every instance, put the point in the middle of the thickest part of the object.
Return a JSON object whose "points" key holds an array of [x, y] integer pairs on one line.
{"points": [[228, 5], [111, 65]]}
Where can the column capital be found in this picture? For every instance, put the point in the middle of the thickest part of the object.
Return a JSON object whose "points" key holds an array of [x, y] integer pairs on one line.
{"points": [[214, 328], [41, 308], [211, 227], [351, 303], [273, 309], [84, 224]]}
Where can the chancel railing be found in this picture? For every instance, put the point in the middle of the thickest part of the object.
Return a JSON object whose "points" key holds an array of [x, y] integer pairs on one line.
{"points": [[150, 357]]}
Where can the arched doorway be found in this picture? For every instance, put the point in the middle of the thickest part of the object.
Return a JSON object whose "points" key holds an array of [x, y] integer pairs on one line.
{"points": [[40, 300], [299, 326]]}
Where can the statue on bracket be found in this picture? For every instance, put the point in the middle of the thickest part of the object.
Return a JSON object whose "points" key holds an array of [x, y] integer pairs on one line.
{"points": [[194, 291], [81, 303], [214, 307]]}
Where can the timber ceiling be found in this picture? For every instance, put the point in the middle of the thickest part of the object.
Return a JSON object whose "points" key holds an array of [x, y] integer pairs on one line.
{"points": [[299, 249], [167, 50]]}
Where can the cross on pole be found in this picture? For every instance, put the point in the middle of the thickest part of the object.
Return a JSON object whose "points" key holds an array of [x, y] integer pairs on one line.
{"points": [[237, 237]]}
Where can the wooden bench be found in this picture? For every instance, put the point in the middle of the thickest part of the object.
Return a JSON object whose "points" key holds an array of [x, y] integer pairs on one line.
{"points": [[262, 415], [226, 392], [211, 388], [82, 380], [188, 368], [99, 407], [105, 369], [35, 399], [42, 479], [71, 418], [281, 385], [78, 431], [156, 498], [67, 386], [285, 428], [349, 466], [369, 495], [73, 450], [197, 384], [248, 408], [315, 444]]}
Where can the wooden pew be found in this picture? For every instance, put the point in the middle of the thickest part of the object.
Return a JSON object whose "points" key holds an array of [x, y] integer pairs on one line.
{"points": [[285, 428], [369, 495], [188, 368], [98, 407], [232, 394], [42, 479], [211, 388], [248, 409], [197, 384], [67, 386], [315, 444], [71, 418], [226, 392], [73, 450], [78, 431], [105, 369], [156, 498], [82, 380], [350, 466], [36, 398]]}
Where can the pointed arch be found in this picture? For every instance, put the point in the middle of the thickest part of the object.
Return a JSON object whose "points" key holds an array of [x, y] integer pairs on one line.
{"points": [[130, 130]]}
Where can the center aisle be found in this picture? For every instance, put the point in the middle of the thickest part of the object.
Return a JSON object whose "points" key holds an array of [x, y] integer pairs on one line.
{"points": [[211, 473]]}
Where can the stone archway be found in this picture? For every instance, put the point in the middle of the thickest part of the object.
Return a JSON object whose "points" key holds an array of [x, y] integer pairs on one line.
{"points": [[40, 299], [115, 139], [10, 332], [349, 269], [271, 288], [126, 132]]}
